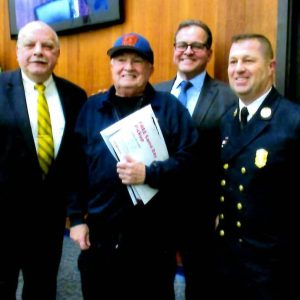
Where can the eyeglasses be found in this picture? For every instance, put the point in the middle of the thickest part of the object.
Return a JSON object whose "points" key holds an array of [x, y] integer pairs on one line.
{"points": [[196, 46]]}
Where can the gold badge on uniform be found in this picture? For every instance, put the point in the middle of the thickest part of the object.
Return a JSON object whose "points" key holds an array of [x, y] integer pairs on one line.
{"points": [[261, 158]]}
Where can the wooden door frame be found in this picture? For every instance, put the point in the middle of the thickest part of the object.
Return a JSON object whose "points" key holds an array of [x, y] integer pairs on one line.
{"points": [[288, 44]]}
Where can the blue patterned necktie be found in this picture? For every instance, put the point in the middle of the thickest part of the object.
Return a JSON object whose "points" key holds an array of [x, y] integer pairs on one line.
{"points": [[185, 85]]}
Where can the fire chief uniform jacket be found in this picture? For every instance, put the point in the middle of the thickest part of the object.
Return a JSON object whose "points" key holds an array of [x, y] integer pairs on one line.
{"points": [[258, 217]]}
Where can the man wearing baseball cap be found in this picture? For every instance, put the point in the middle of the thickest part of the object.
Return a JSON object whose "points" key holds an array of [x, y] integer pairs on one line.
{"points": [[127, 250], [133, 42]]}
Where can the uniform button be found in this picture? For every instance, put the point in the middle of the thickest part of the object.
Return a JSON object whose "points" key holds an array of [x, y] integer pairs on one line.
{"points": [[222, 216], [222, 198], [221, 232], [241, 188], [225, 166], [238, 224], [239, 205], [223, 182], [243, 170]]}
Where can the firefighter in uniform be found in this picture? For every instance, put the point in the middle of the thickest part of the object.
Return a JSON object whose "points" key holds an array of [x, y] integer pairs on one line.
{"points": [[258, 222]]}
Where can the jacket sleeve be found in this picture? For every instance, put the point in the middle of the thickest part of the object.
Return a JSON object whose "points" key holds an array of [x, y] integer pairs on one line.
{"points": [[181, 138]]}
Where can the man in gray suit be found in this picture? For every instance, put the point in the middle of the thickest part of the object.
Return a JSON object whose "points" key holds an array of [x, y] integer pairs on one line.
{"points": [[207, 100]]}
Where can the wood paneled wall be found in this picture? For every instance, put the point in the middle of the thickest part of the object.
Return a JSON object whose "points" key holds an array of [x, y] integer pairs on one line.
{"points": [[83, 56]]}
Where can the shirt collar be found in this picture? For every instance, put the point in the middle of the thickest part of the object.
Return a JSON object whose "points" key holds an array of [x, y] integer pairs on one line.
{"points": [[253, 107], [197, 81], [29, 84]]}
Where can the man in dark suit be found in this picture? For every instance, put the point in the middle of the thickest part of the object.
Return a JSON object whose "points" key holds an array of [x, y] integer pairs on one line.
{"points": [[207, 101], [258, 220], [33, 203]]}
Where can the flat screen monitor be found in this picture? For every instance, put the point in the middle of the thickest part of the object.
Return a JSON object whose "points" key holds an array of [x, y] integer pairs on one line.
{"points": [[65, 16]]}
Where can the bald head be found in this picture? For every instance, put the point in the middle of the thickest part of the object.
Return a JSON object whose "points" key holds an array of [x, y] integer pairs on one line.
{"points": [[33, 26]]}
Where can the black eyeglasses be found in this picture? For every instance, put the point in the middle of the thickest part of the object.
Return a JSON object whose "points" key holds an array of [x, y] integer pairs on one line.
{"points": [[196, 46]]}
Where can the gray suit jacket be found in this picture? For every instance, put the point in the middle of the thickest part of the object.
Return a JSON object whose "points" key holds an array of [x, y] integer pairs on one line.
{"points": [[214, 100]]}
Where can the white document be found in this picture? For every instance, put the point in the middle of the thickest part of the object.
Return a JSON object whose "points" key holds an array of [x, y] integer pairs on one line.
{"points": [[139, 136]]}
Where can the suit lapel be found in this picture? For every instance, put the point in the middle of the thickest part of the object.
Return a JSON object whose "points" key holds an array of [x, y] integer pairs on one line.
{"points": [[17, 100], [64, 97], [205, 101]]}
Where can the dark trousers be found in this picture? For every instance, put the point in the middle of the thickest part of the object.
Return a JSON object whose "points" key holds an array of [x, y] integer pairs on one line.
{"points": [[127, 272], [256, 276], [199, 271], [38, 258]]}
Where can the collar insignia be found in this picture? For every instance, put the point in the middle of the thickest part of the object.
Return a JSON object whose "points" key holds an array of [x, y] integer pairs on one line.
{"points": [[266, 113]]}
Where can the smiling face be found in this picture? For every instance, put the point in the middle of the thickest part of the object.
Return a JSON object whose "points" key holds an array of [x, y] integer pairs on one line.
{"points": [[130, 73], [37, 51], [191, 62], [250, 69]]}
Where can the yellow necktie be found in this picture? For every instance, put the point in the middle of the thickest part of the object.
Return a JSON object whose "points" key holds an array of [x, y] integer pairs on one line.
{"points": [[45, 137]]}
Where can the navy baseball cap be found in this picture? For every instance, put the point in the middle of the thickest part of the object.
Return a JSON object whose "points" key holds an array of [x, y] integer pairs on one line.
{"points": [[133, 42]]}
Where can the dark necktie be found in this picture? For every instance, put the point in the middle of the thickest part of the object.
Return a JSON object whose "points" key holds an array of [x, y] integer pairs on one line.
{"points": [[45, 137], [244, 116], [185, 85]]}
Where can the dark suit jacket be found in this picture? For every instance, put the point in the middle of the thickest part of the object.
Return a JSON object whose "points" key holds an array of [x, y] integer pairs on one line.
{"points": [[259, 221], [26, 200], [214, 100]]}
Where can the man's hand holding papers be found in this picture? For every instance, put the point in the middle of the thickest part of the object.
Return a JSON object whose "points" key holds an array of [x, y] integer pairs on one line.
{"points": [[136, 138], [131, 171]]}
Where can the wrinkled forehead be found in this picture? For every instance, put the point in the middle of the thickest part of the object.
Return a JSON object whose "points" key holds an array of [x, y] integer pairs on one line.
{"points": [[246, 47], [127, 53], [194, 33], [36, 33]]}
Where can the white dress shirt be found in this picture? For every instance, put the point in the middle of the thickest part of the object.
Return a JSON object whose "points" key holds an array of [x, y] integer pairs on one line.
{"points": [[253, 107], [55, 110]]}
